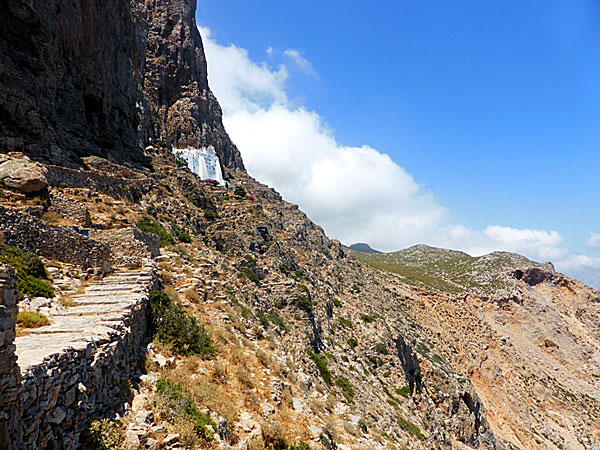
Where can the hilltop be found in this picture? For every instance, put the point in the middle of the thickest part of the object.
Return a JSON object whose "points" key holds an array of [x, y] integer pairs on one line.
{"points": [[454, 271]]}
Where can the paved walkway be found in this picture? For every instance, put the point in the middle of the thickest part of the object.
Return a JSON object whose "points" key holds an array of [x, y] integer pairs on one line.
{"points": [[99, 312]]}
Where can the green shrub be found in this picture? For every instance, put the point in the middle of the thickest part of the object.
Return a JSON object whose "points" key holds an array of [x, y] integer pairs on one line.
{"points": [[411, 428], [304, 303], [276, 318], [211, 215], [173, 326], [352, 342], [387, 374], [300, 446], [147, 225], [250, 274], [264, 320], [336, 302], [30, 319], [101, 435], [31, 274], [346, 388], [366, 318], [180, 162], [240, 192], [345, 322], [174, 401], [404, 391], [179, 234], [151, 210], [321, 364], [381, 348]]}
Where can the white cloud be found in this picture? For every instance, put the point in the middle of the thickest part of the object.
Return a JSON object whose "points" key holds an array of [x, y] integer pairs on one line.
{"points": [[356, 193], [593, 239], [304, 64], [269, 50]]}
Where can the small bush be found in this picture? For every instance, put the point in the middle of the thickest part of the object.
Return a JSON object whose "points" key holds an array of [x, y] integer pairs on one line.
{"points": [[151, 210], [31, 274], [345, 322], [101, 435], [336, 302], [300, 446], [304, 303], [352, 342], [381, 348], [180, 234], [366, 318], [240, 192], [346, 388], [272, 434], [30, 319], [147, 225], [173, 326], [411, 428], [264, 320], [404, 391], [174, 402], [250, 274], [321, 364], [276, 318], [211, 215], [180, 162]]}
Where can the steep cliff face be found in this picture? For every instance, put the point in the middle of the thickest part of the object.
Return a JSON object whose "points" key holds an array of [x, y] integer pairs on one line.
{"points": [[104, 78]]}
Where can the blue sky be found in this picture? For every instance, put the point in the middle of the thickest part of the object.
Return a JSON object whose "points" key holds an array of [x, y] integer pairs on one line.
{"points": [[490, 109]]}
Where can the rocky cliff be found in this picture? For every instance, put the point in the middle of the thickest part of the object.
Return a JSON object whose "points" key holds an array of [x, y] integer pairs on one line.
{"points": [[105, 78]]}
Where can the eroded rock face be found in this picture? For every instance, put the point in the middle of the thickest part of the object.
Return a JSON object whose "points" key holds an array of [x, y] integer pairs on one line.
{"points": [[105, 78]]}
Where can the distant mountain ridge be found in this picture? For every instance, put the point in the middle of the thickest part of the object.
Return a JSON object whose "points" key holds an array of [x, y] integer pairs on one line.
{"points": [[364, 248], [454, 271]]}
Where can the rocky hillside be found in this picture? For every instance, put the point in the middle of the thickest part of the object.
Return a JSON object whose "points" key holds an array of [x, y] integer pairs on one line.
{"points": [[526, 336], [492, 275], [105, 78], [262, 332]]}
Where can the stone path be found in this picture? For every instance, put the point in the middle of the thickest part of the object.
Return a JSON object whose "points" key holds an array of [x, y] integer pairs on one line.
{"points": [[97, 315]]}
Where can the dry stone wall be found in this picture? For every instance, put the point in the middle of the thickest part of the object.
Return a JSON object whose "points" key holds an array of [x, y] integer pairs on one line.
{"points": [[10, 376], [52, 241], [75, 369]]}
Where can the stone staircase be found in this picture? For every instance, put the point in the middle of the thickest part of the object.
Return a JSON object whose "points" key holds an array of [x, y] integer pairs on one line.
{"points": [[97, 316]]}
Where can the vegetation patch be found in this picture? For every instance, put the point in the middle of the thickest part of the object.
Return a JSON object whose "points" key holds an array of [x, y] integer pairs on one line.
{"points": [[30, 319], [411, 428], [304, 303], [352, 342], [101, 435], [180, 234], [321, 364], [345, 322], [382, 349], [345, 388], [147, 225], [250, 274], [173, 326], [366, 318], [175, 402], [31, 274]]}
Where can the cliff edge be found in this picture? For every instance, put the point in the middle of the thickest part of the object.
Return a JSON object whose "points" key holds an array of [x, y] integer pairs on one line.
{"points": [[105, 79]]}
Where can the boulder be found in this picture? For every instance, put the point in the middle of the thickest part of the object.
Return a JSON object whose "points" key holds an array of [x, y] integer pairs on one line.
{"points": [[23, 175]]}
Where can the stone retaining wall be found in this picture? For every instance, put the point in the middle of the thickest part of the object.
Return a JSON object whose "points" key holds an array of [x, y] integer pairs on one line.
{"points": [[129, 246], [10, 375], [52, 241], [87, 378], [125, 189]]}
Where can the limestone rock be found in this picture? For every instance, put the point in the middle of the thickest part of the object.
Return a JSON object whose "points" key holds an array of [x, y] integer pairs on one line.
{"points": [[23, 175]]}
